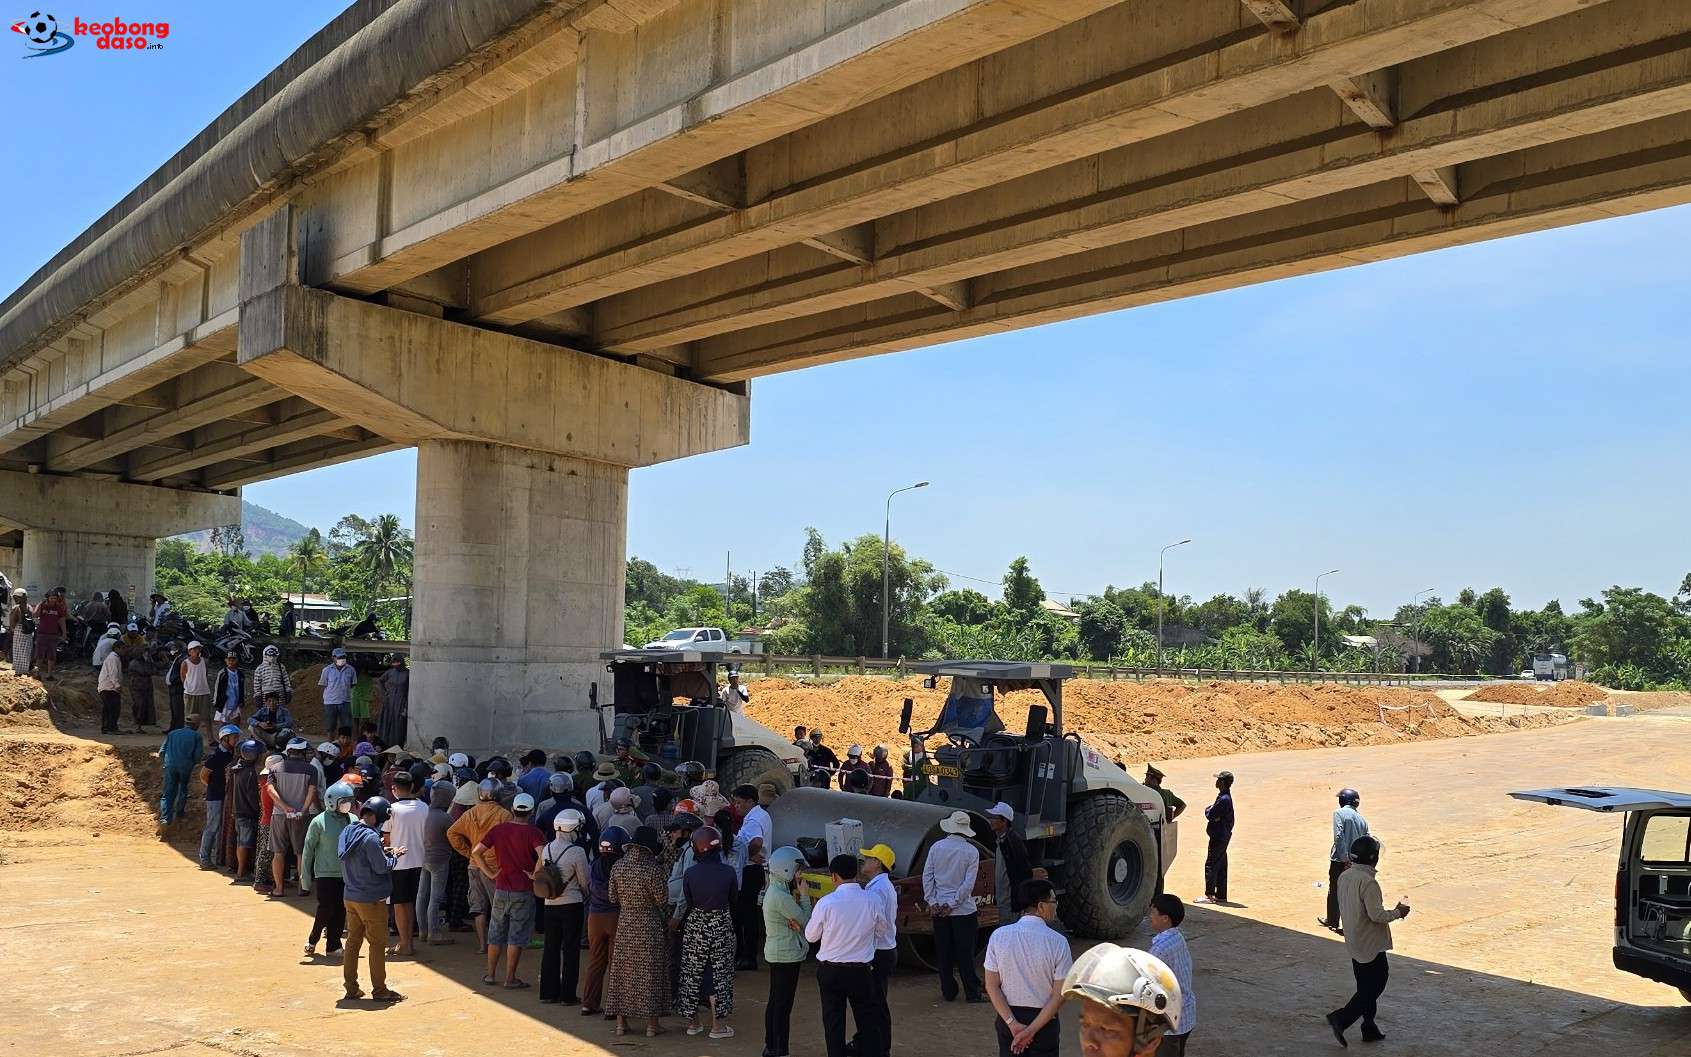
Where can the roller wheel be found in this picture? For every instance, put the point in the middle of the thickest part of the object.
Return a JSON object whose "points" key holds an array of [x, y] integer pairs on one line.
{"points": [[1110, 868], [755, 767]]}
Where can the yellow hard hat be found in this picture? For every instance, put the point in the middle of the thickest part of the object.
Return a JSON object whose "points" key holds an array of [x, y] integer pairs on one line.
{"points": [[880, 853]]}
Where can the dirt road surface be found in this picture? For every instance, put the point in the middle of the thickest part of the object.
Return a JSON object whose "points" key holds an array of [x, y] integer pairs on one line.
{"points": [[118, 946]]}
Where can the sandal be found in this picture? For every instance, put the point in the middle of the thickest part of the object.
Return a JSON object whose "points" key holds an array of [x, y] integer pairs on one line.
{"points": [[652, 1033], [725, 1031], [695, 1029], [622, 1029], [516, 985], [489, 979], [353, 996]]}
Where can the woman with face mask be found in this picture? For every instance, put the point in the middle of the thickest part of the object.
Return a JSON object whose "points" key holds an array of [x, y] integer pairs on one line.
{"points": [[320, 866]]}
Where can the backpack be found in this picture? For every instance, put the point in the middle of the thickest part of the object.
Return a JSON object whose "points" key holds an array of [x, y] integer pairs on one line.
{"points": [[549, 880]]}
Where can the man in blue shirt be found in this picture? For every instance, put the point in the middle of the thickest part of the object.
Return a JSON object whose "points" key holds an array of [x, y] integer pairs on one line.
{"points": [[535, 774], [367, 879], [336, 683], [1348, 826], [178, 755], [1220, 831]]}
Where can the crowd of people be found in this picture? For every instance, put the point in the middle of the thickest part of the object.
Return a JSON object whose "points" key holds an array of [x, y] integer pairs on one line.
{"points": [[655, 893]]}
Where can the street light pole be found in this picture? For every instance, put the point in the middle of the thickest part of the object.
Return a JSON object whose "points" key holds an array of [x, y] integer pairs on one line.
{"points": [[1160, 554], [1329, 572], [886, 555], [1415, 605]]}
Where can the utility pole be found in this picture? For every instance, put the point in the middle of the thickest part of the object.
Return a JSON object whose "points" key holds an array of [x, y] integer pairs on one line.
{"points": [[1329, 572], [1160, 554], [886, 557], [728, 586], [1415, 626]]}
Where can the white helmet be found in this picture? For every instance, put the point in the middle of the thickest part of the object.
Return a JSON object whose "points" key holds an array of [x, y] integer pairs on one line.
{"points": [[785, 863], [1125, 980], [854, 752]]}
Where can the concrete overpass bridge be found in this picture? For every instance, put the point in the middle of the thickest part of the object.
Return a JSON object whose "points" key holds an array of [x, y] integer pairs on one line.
{"points": [[544, 241]]}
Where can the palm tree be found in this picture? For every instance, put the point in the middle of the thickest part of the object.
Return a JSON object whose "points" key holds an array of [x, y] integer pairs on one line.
{"points": [[384, 552], [306, 557]]}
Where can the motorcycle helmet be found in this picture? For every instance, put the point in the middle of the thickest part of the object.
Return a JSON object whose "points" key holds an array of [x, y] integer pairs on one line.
{"points": [[377, 806]]}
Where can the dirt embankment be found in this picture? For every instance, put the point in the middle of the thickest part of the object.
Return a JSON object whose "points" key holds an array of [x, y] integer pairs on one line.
{"points": [[54, 780], [1141, 721], [1571, 693]]}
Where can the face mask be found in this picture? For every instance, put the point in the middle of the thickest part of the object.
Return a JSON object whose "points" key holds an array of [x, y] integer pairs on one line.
{"points": [[340, 662], [344, 807]]}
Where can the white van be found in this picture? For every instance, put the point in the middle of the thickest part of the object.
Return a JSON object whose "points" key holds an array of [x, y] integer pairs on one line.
{"points": [[1653, 883]]}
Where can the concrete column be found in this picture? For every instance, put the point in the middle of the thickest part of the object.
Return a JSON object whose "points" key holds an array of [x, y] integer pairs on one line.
{"points": [[519, 586], [82, 562], [523, 453], [85, 534], [11, 563]]}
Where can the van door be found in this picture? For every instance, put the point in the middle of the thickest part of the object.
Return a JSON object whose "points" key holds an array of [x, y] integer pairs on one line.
{"points": [[1607, 798]]}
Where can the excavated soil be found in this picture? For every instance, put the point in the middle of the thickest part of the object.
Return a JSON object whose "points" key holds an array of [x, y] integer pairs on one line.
{"points": [[1571, 693], [1151, 720], [52, 780]]}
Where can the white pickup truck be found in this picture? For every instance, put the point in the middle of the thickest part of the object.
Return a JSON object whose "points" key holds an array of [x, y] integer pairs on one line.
{"points": [[712, 639]]}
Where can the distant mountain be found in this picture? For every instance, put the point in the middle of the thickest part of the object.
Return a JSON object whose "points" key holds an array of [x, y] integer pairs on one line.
{"points": [[266, 531]]}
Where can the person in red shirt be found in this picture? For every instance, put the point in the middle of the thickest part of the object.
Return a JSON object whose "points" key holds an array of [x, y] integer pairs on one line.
{"points": [[508, 856], [50, 618]]}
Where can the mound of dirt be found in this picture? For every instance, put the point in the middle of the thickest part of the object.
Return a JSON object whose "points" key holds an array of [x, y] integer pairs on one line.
{"points": [[20, 693], [1161, 719], [1570, 693]]}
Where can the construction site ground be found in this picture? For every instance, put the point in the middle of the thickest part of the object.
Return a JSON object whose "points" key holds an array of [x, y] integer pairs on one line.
{"points": [[116, 945]]}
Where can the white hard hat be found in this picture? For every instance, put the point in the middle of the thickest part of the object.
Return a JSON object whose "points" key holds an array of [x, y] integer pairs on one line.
{"points": [[1003, 811], [1125, 979], [957, 822]]}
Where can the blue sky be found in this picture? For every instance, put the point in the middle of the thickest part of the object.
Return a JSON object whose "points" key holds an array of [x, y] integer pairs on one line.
{"points": [[1510, 414]]}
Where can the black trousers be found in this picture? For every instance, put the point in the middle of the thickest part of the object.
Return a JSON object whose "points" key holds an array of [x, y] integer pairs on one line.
{"points": [[1334, 869], [1215, 868], [178, 716], [778, 1013], [1370, 985], [954, 943], [560, 958], [748, 916], [330, 920], [840, 984], [111, 705], [883, 965], [1044, 1042]]}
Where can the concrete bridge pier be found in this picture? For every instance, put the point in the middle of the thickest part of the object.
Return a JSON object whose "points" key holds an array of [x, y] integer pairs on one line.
{"points": [[89, 535], [523, 453]]}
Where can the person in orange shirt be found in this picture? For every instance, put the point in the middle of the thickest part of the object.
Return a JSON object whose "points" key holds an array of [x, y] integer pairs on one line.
{"points": [[464, 835]]}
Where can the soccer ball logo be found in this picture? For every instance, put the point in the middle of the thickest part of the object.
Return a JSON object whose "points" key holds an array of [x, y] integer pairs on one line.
{"points": [[40, 28]]}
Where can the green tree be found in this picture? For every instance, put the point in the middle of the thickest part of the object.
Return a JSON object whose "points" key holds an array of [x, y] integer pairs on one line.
{"points": [[1459, 639], [962, 605], [1102, 624], [1292, 620], [1219, 614], [384, 554], [1630, 627], [840, 602], [307, 558], [775, 583], [1021, 590]]}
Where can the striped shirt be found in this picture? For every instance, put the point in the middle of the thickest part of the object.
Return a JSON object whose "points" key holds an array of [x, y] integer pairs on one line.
{"points": [[1170, 946]]}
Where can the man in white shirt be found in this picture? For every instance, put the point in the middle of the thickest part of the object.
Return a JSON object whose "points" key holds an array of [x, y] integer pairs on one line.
{"points": [[1168, 943], [734, 696], [845, 923], [407, 822], [874, 869], [110, 688], [753, 841], [948, 888], [1025, 966]]}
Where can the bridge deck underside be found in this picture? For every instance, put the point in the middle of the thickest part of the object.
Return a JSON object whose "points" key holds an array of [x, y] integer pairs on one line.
{"points": [[663, 192]]}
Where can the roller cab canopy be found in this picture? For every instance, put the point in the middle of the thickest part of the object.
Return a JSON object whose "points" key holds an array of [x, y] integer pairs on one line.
{"points": [[1608, 799], [969, 705]]}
